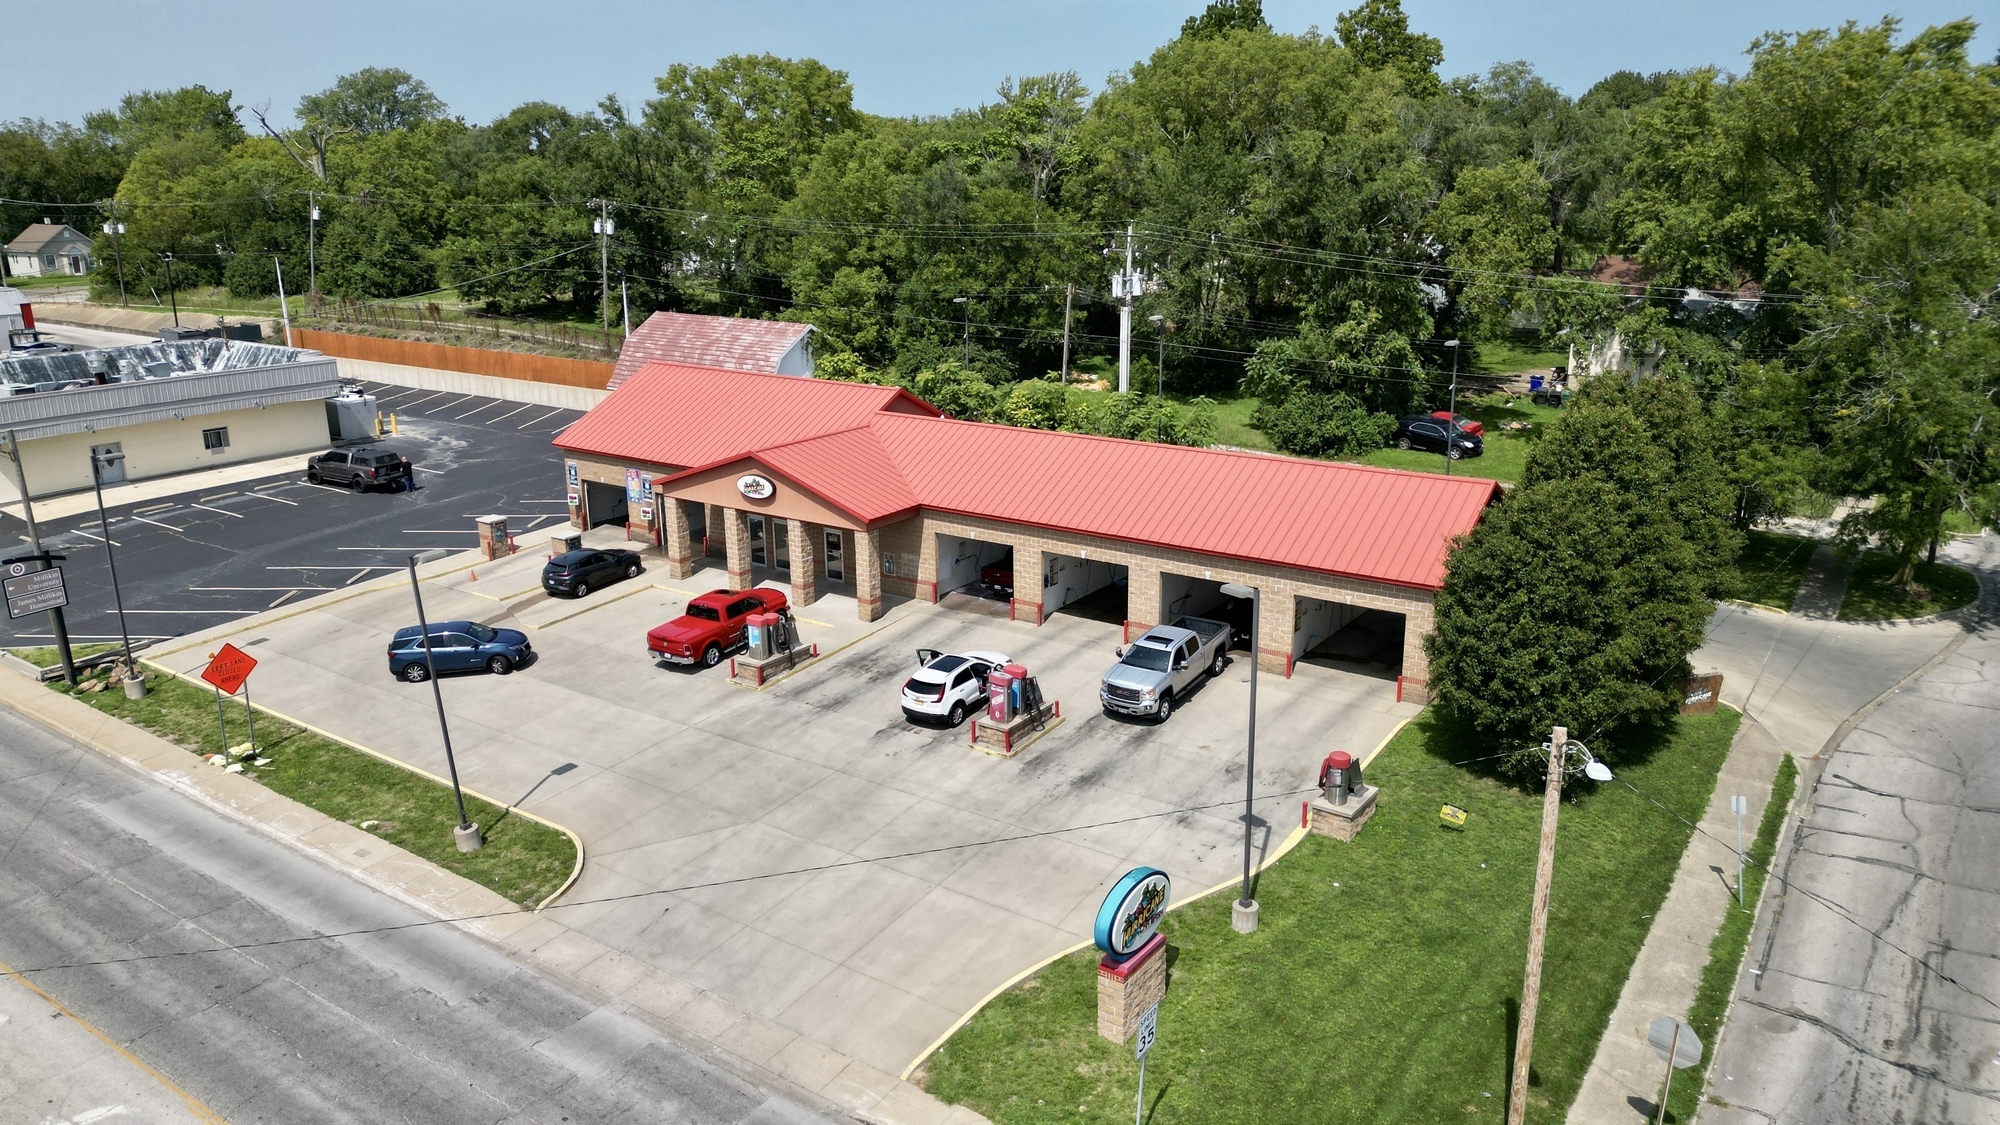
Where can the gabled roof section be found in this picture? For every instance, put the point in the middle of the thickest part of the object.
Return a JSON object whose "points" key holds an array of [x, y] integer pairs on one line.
{"points": [[691, 339], [40, 235], [672, 414]]}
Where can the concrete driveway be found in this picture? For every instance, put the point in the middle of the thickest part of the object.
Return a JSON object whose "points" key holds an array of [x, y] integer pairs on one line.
{"points": [[804, 852]]}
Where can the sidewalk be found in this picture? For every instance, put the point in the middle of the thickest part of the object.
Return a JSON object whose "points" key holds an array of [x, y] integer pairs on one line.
{"points": [[201, 484], [1823, 586], [754, 1047]]}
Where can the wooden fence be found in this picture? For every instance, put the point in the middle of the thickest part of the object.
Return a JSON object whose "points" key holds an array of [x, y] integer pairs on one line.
{"points": [[473, 361]]}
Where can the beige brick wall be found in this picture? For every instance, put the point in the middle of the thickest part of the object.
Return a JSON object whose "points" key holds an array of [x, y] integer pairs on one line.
{"points": [[736, 539], [802, 544], [1122, 1000]]}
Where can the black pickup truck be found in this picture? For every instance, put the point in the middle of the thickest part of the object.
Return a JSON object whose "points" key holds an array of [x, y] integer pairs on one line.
{"points": [[359, 469]]}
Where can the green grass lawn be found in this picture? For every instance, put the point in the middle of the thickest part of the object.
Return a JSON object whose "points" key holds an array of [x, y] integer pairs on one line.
{"points": [[523, 861], [1871, 596], [1956, 522], [1382, 984], [1771, 566], [1506, 451], [1504, 357], [49, 658], [1234, 414]]}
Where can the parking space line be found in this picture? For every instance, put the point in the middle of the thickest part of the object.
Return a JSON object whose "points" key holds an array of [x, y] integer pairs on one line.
{"points": [[220, 495], [433, 531], [509, 414], [328, 487], [330, 566], [397, 395], [477, 409], [525, 425], [283, 599], [99, 538], [218, 511], [254, 589], [154, 508], [454, 402], [423, 400], [360, 574], [157, 523], [563, 502], [436, 472], [244, 612], [268, 496]]}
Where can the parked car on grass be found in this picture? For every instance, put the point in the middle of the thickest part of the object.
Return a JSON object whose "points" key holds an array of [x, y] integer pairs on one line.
{"points": [[1159, 668], [1464, 424], [457, 646], [1435, 435], [715, 623], [579, 572], [948, 685], [358, 469]]}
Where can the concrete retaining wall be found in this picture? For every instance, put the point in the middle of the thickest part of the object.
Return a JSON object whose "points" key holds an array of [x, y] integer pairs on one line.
{"points": [[463, 383]]}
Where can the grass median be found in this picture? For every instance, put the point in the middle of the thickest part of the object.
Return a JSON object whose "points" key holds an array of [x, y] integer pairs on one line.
{"points": [[1383, 982], [1725, 951], [1772, 566], [1871, 596], [523, 861]]}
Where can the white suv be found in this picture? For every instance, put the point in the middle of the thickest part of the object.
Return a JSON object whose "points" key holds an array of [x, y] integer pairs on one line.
{"points": [[948, 686]]}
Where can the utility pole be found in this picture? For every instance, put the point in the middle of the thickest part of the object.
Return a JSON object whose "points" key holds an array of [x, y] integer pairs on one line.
{"points": [[1538, 929], [168, 258], [601, 227], [56, 623], [312, 247], [1126, 285], [967, 302], [116, 229], [1069, 299], [625, 303], [1451, 423]]}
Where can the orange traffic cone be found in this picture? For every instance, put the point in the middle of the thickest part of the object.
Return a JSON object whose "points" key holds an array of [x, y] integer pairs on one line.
{"points": [[475, 576]]}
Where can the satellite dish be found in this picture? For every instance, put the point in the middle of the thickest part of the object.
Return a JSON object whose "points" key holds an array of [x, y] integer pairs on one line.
{"points": [[1596, 770]]}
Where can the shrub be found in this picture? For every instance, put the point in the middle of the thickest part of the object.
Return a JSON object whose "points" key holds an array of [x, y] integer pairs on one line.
{"points": [[1038, 404], [1323, 425]]}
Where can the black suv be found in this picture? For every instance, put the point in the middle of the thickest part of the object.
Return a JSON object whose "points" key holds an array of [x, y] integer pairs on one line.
{"points": [[579, 572], [1436, 435], [359, 469]]}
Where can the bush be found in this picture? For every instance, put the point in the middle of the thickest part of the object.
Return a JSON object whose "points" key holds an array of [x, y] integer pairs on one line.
{"points": [[1322, 425], [960, 393], [1038, 404]]}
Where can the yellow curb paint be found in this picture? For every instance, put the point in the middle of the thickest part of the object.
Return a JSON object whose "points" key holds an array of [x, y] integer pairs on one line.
{"points": [[593, 604], [1291, 841], [575, 871], [193, 1104]]}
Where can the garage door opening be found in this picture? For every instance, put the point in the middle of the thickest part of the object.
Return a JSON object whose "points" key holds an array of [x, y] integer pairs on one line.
{"points": [[1348, 638], [1084, 588], [1183, 595], [603, 503], [975, 569]]}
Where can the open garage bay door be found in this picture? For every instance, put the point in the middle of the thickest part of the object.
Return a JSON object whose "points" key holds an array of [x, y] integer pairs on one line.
{"points": [[974, 566], [604, 502], [1084, 587], [1347, 637], [1183, 595]]}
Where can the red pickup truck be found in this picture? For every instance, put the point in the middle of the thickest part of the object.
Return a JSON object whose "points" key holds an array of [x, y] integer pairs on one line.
{"points": [[714, 623]]}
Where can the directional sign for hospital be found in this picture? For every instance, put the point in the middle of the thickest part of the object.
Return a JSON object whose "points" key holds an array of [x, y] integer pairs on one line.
{"points": [[35, 592], [228, 669]]}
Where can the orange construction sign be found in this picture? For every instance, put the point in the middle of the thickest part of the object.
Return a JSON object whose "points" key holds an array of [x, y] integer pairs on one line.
{"points": [[229, 668]]}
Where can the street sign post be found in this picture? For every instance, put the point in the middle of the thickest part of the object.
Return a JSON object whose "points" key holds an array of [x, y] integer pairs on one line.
{"points": [[1675, 1042], [228, 670], [1149, 1027], [34, 591], [1739, 805]]}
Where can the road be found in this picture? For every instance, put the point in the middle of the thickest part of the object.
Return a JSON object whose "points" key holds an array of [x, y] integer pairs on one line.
{"points": [[1872, 988], [131, 884], [201, 559]]}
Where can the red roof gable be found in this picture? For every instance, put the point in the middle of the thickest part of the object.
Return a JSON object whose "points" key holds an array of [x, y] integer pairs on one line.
{"points": [[866, 451], [729, 342]]}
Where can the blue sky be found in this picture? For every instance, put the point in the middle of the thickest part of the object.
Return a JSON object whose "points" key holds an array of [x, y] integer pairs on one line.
{"points": [[905, 57]]}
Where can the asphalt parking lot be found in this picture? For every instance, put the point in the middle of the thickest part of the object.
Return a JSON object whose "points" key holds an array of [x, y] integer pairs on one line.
{"points": [[193, 561], [805, 852]]}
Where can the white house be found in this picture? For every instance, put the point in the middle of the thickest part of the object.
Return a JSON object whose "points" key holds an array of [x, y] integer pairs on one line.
{"points": [[46, 249]]}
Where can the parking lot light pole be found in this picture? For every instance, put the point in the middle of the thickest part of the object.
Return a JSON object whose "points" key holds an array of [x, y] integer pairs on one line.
{"points": [[135, 685], [171, 298], [1243, 915], [467, 833]]}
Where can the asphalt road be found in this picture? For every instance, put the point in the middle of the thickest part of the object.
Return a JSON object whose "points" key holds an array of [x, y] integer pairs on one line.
{"points": [[1872, 991], [136, 887], [189, 562]]}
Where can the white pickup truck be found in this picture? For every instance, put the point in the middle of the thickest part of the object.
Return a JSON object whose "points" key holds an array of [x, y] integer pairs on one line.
{"points": [[1158, 668]]}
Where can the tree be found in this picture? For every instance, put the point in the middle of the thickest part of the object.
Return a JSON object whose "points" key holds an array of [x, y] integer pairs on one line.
{"points": [[1324, 425], [1378, 35], [372, 100], [1496, 223], [155, 117], [1224, 16], [1571, 603]]}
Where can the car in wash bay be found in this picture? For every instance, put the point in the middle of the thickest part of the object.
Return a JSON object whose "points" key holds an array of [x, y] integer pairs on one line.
{"points": [[578, 572], [457, 646], [948, 685], [715, 623]]}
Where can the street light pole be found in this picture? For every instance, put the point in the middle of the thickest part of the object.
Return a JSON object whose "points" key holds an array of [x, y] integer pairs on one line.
{"points": [[1451, 423], [116, 229], [467, 833], [1243, 914], [1159, 374], [167, 257], [135, 685]]}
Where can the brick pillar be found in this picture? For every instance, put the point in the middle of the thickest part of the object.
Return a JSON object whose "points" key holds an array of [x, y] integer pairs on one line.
{"points": [[1418, 620], [1275, 629], [677, 537], [715, 539], [1142, 596], [802, 544], [735, 525], [1029, 568], [868, 575]]}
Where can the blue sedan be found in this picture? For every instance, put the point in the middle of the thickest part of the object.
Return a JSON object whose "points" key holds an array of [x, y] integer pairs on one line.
{"points": [[457, 646]]}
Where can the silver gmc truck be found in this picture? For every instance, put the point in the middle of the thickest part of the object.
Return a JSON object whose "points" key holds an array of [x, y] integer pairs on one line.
{"points": [[1158, 668]]}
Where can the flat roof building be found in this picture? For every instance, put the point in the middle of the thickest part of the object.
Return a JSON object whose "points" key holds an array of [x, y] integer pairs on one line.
{"points": [[872, 489]]}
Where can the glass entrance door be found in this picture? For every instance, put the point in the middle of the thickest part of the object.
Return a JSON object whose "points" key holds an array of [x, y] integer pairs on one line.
{"points": [[836, 556]]}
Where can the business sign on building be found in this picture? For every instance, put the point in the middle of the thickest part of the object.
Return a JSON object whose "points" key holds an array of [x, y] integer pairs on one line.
{"points": [[35, 592]]}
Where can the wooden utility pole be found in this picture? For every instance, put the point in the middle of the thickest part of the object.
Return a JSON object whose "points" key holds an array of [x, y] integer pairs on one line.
{"points": [[1538, 931], [1069, 299]]}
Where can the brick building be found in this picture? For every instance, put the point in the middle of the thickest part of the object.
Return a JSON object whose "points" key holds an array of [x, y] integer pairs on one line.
{"points": [[872, 491]]}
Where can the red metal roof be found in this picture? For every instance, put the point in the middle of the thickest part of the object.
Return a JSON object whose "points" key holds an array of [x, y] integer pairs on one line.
{"points": [[730, 342], [866, 451]]}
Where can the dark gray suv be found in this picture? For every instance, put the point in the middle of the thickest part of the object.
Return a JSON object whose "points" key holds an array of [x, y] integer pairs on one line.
{"points": [[359, 469]]}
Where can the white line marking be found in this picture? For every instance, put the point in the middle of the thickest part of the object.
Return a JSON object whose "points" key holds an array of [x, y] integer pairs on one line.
{"points": [[99, 538], [236, 611], [268, 496], [509, 414], [437, 472], [565, 502], [218, 496], [423, 400], [285, 598], [379, 399], [525, 425], [455, 402], [154, 508], [360, 574], [98, 636], [335, 566], [434, 531], [275, 484], [404, 547], [254, 589], [157, 523], [476, 409], [218, 511], [328, 487]]}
